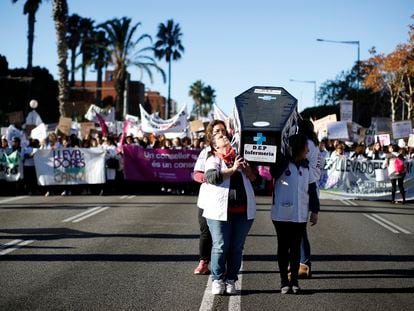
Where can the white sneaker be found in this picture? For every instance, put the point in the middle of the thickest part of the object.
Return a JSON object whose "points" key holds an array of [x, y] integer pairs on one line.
{"points": [[230, 287], [285, 290], [217, 288]]}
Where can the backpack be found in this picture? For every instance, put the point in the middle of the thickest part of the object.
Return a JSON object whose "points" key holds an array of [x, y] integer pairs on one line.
{"points": [[399, 165]]}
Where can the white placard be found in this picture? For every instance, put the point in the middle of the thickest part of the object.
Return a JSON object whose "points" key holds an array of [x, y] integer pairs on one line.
{"points": [[383, 139], [401, 129], [346, 107], [338, 130], [260, 153], [39, 132]]}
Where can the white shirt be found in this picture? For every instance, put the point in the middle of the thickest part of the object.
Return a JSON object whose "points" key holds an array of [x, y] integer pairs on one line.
{"points": [[291, 202]]}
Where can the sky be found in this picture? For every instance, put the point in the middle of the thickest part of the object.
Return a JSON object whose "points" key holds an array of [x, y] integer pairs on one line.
{"points": [[231, 45]]}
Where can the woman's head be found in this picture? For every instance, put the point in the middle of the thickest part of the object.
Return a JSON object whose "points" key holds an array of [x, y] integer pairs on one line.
{"points": [[340, 148], [306, 128], [215, 127], [298, 145]]}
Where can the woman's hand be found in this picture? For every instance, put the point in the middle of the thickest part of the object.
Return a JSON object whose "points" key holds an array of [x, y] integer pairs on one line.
{"points": [[313, 219], [238, 163]]}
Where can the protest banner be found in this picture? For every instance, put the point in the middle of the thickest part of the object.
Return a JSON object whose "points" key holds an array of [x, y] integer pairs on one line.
{"points": [[402, 129], [321, 125], [219, 114], [344, 178], [381, 125], [65, 125], [153, 124], [107, 114], [196, 126], [338, 130], [70, 166], [411, 141], [85, 128], [11, 166], [39, 132], [12, 132], [346, 110], [383, 139], [160, 165]]}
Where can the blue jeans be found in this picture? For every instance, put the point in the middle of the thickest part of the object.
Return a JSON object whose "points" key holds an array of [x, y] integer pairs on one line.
{"points": [[228, 242], [305, 249]]}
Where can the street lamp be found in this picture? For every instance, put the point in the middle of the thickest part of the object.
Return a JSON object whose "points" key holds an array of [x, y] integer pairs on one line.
{"points": [[346, 42], [358, 64], [314, 87]]}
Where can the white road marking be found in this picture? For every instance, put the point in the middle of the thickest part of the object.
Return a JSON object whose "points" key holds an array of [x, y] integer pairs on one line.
{"points": [[16, 247], [235, 300], [208, 298], [131, 197], [123, 197], [353, 203], [91, 214], [81, 214], [381, 223], [391, 224], [349, 202], [10, 243], [345, 202], [13, 199]]}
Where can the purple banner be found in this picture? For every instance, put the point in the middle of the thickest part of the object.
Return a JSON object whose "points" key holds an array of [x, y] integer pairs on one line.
{"points": [[162, 165]]}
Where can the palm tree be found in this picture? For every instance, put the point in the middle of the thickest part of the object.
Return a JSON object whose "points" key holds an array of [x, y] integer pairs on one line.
{"points": [[87, 32], [169, 47], [124, 53], [30, 8], [73, 39], [60, 17], [196, 92], [209, 97], [101, 59]]}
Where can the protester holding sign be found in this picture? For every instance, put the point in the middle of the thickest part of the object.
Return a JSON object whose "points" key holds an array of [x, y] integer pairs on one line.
{"points": [[228, 202]]}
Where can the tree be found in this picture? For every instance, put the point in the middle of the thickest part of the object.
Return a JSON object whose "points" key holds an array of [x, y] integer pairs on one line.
{"points": [[30, 8], [87, 33], [204, 97], [209, 98], [124, 52], [384, 73], [101, 59], [60, 17], [196, 92], [169, 47], [73, 39]]}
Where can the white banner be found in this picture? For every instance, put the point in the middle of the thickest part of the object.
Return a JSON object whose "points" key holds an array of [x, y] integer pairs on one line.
{"points": [[402, 129], [219, 114], [153, 124], [344, 178], [70, 166]]}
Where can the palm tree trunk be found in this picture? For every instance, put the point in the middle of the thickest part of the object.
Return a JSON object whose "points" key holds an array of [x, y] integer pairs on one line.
{"points": [[60, 16], [120, 88], [83, 75], [98, 85], [72, 67], [168, 106], [30, 38]]}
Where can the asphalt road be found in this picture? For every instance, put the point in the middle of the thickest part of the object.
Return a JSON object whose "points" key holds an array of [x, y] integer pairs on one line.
{"points": [[139, 253]]}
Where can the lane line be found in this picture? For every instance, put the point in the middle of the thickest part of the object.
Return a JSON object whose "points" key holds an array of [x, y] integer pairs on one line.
{"points": [[16, 247], [208, 298], [391, 224], [381, 223], [13, 199], [345, 202], [352, 203], [10, 243], [123, 197], [235, 300], [81, 214], [91, 214], [131, 197]]}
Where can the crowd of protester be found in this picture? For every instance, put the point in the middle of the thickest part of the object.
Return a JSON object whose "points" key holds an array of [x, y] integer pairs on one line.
{"points": [[329, 150]]}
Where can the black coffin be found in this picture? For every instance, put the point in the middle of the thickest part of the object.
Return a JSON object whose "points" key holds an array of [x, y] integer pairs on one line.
{"points": [[264, 119]]}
